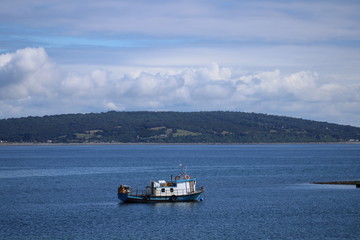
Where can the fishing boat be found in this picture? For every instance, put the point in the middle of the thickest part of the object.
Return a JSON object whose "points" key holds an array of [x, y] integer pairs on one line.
{"points": [[180, 189]]}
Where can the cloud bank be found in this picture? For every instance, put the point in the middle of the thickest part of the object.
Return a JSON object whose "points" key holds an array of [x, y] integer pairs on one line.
{"points": [[33, 84], [293, 58]]}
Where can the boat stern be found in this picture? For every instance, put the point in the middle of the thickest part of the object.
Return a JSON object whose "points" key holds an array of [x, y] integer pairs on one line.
{"points": [[123, 192]]}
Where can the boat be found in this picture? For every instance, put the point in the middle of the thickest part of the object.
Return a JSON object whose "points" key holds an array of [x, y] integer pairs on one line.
{"points": [[180, 189]]}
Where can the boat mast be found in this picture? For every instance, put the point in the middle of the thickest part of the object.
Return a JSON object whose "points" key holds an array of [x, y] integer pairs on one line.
{"points": [[182, 170]]}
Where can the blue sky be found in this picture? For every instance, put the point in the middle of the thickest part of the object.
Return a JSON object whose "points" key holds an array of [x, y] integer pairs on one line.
{"points": [[292, 58]]}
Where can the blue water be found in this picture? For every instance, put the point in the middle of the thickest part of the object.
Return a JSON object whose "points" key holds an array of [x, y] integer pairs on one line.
{"points": [[252, 192]]}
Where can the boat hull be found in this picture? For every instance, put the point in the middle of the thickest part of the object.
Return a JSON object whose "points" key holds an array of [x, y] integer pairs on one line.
{"points": [[128, 198]]}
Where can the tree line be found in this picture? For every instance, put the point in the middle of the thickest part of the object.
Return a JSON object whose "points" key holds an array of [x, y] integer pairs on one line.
{"points": [[172, 127]]}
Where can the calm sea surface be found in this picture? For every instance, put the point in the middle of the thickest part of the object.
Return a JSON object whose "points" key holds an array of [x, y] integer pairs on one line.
{"points": [[252, 192]]}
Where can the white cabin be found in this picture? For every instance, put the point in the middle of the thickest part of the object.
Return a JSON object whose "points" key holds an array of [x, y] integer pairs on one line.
{"points": [[172, 188]]}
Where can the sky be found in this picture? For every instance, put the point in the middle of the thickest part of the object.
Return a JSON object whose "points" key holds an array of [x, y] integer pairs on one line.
{"points": [[282, 57]]}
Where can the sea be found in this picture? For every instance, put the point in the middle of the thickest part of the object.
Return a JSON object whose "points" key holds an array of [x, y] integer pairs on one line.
{"points": [[251, 192]]}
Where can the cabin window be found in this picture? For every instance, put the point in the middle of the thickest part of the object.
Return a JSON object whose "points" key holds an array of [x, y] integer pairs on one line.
{"points": [[171, 190], [163, 190]]}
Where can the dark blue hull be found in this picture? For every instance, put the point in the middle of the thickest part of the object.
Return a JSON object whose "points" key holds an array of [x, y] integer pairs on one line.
{"points": [[126, 197]]}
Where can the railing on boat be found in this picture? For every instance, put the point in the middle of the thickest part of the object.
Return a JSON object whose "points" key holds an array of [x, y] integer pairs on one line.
{"points": [[177, 192]]}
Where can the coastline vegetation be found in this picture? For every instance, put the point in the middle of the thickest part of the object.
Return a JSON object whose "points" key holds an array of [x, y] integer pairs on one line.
{"points": [[172, 127]]}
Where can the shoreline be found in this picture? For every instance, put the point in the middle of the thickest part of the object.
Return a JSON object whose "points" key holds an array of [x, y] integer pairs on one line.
{"points": [[143, 143], [355, 182]]}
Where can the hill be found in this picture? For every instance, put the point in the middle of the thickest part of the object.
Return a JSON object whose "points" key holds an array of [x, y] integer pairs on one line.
{"points": [[172, 127]]}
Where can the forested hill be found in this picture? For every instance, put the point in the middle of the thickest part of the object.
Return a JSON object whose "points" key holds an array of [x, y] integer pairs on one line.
{"points": [[172, 127]]}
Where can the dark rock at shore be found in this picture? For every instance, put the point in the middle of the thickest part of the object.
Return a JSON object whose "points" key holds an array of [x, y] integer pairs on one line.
{"points": [[357, 183]]}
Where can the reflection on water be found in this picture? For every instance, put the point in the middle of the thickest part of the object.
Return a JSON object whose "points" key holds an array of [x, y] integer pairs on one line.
{"points": [[162, 204], [52, 172], [331, 186]]}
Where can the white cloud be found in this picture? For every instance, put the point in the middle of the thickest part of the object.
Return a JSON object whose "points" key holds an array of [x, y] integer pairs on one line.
{"points": [[26, 73], [112, 106], [303, 86], [32, 84]]}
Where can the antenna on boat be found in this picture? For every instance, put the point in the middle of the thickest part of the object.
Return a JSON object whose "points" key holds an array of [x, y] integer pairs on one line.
{"points": [[182, 169]]}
